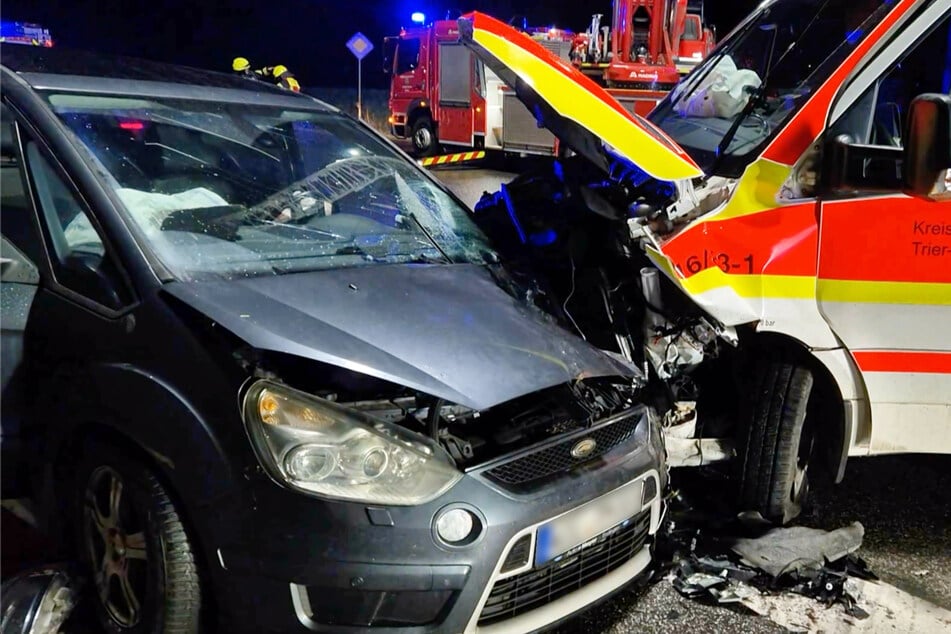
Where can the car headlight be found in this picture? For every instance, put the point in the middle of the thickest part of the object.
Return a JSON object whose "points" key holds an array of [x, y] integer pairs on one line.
{"points": [[321, 447]]}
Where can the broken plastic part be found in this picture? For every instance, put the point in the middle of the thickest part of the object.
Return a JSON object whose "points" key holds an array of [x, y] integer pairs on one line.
{"points": [[782, 551]]}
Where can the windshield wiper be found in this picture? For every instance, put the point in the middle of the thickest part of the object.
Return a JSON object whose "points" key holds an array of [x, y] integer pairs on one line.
{"points": [[352, 249], [429, 236], [418, 258], [756, 99], [758, 96]]}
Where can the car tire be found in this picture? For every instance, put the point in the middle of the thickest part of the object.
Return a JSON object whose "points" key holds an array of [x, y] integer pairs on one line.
{"points": [[423, 135], [142, 564], [776, 440]]}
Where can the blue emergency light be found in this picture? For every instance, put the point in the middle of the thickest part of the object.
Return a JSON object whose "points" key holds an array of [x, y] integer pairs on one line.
{"points": [[418, 17]]}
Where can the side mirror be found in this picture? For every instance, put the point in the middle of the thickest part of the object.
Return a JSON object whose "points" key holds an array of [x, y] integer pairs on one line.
{"points": [[851, 166], [927, 153], [93, 276]]}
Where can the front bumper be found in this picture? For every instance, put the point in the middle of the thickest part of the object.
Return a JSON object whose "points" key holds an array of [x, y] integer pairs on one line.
{"points": [[398, 124], [325, 566]]}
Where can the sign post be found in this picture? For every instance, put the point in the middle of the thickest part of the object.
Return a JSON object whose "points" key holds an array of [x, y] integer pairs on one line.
{"points": [[360, 46]]}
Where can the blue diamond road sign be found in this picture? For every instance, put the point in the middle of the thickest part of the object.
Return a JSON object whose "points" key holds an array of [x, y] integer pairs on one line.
{"points": [[359, 45]]}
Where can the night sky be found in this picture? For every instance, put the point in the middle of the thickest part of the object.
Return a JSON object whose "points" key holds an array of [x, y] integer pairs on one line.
{"points": [[308, 36]]}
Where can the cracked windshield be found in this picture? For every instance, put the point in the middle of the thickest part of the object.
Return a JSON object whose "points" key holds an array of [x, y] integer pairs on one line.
{"points": [[740, 96], [228, 190]]}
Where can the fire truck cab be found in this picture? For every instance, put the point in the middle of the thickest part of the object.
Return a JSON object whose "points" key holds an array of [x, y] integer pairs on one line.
{"points": [[441, 94], [696, 40]]}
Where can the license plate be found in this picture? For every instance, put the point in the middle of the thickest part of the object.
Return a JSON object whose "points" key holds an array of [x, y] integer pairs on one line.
{"points": [[586, 522]]}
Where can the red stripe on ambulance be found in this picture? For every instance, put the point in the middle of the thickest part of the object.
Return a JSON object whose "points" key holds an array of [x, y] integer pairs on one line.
{"points": [[903, 361]]}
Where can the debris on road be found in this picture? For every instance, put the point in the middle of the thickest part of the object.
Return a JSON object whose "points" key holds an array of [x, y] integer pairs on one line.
{"points": [[738, 560], [803, 579], [779, 551], [887, 609]]}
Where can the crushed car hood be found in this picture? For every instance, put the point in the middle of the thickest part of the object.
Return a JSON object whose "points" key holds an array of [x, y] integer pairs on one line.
{"points": [[447, 330], [572, 106]]}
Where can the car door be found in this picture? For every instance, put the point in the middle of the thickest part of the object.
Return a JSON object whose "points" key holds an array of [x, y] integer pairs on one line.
{"points": [[78, 301], [885, 258], [18, 286], [19, 281], [455, 94]]}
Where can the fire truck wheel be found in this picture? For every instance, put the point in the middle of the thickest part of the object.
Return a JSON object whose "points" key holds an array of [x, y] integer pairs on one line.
{"points": [[424, 137], [775, 441]]}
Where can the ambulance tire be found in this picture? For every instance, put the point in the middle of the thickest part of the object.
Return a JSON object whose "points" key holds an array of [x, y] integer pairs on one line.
{"points": [[423, 135], [775, 440], [151, 580]]}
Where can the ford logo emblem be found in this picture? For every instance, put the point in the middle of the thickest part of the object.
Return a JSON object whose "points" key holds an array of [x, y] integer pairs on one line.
{"points": [[583, 448]]}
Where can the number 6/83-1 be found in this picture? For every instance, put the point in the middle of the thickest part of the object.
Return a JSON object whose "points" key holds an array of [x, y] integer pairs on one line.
{"points": [[697, 263]]}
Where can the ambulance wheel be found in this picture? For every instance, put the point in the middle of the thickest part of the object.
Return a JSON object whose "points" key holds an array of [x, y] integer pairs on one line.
{"points": [[144, 576], [776, 439], [424, 136]]}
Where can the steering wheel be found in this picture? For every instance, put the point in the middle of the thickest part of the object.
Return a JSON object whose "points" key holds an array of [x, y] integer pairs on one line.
{"points": [[332, 183]]}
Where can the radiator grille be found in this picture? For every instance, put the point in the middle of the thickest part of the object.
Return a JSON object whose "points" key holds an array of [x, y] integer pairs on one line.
{"points": [[556, 459], [532, 589]]}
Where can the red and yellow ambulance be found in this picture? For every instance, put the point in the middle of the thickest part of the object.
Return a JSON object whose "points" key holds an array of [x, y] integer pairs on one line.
{"points": [[774, 243]]}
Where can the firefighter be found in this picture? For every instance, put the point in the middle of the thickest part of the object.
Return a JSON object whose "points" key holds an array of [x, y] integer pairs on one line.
{"points": [[242, 66], [279, 75], [282, 77]]}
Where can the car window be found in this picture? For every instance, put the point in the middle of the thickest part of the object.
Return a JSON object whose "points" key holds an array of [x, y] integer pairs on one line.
{"points": [[879, 116], [739, 98], [692, 28], [15, 210], [77, 250], [15, 266], [407, 55]]}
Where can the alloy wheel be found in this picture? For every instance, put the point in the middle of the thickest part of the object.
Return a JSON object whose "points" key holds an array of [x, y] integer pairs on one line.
{"points": [[116, 546], [423, 138]]}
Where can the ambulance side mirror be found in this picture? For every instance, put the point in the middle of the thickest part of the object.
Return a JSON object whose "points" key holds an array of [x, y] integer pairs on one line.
{"points": [[851, 166], [926, 162]]}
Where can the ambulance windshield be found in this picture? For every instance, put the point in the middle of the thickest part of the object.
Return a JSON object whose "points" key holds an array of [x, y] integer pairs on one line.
{"points": [[731, 105]]}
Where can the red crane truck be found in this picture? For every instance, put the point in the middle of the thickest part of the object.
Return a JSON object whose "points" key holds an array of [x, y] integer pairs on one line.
{"points": [[643, 55]]}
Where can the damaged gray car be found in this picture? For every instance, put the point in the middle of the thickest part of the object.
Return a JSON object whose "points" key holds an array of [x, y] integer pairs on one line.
{"points": [[264, 373]]}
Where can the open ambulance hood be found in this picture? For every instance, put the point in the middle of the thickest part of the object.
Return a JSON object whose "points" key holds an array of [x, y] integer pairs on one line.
{"points": [[574, 108]]}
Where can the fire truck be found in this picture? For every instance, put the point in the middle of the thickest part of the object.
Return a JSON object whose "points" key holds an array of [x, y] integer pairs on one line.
{"points": [[651, 44], [25, 33], [441, 94]]}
